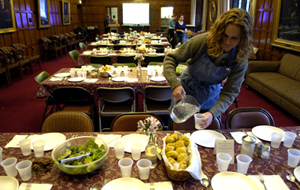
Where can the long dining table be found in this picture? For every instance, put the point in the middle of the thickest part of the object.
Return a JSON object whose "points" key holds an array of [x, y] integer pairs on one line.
{"points": [[46, 87], [275, 165]]}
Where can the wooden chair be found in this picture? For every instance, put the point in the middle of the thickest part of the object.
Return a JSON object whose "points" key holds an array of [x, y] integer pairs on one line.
{"points": [[71, 41], [64, 42], [190, 124], [68, 122], [114, 101], [248, 117], [23, 51], [3, 67], [50, 46], [128, 121], [14, 60]]}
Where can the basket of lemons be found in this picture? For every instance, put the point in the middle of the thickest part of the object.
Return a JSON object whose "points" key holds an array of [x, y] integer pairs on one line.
{"points": [[106, 71]]}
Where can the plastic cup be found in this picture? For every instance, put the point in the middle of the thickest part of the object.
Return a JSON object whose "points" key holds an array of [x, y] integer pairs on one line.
{"points": [[126, 73], [289, 138], [72, 72], [223, 160], [119, 149], [83, 68], [159, 73], [153, 73], [25, 146], [118, 73], [125, 165], [24, 169], [1, 154], [276, 139], [293, 157], [243, 162], [38, 147], [198, 119], [9, 165], [125, 68], [83, 73], [136, 151], [144, 168]]}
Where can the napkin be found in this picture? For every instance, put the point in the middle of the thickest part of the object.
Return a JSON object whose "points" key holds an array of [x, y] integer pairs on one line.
{"points": [[87, 52], [272, 182], [239, 135], [166, 185], [90, 80], [111, 139], [56, 79], [14, 143], [35, 186]]}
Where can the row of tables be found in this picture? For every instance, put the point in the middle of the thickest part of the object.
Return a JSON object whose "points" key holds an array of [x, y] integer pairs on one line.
{"points": [[46, 87], [275, 165]]}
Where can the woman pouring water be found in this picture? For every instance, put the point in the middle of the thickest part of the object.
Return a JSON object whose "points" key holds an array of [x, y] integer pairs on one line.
{"points": [[221, 53]]}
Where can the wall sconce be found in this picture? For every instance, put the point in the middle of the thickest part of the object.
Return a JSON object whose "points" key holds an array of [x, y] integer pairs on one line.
{"points": [[80, 2]]}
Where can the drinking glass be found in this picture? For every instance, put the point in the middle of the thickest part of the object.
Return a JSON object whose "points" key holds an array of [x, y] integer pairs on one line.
{"points": [[9, 165], [276, 139], [125, 165], [119, 149], [289, 138]]}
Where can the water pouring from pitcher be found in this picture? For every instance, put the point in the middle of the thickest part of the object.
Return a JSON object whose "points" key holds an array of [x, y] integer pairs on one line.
{"points": [[185, 109]]}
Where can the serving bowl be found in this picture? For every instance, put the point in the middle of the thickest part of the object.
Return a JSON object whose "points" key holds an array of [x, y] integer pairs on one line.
{"points": [[79, 169]]}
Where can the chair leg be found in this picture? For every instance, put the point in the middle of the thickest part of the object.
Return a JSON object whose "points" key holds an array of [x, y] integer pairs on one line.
{"points": [[8, 78], [31, 67], [39, 62], [100, 126], [56, 55]]}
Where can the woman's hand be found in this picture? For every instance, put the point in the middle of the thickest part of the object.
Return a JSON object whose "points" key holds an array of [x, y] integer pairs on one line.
{"points": [[206, 120], [178, 93]]}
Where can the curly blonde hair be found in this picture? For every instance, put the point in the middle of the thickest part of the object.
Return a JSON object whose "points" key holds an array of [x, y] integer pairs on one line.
{"points": [[236, 16]]}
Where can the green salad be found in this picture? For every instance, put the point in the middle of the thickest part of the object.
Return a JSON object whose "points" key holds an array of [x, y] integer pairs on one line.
{"points": [[96, 153]]}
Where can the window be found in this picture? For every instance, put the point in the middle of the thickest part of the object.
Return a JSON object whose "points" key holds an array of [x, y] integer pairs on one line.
{"points": [[244, 4], [166, 12]]}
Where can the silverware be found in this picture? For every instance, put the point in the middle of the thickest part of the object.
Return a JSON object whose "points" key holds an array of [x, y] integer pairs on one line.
{"points": [[262, 180], [225, 135], [205, 182], [76, 157], [290, 176]]}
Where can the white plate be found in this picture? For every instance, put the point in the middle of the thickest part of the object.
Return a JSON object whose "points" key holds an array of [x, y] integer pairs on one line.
{"points": [[101, 53], [133, 138], [8, 183], [125, 183], [62, 75], [118, 79], [206, 138], [233, 181], [158, 79], [297, 173], [87, 52], [51, 140], [264, 132], [152, 53], [76, 79]]}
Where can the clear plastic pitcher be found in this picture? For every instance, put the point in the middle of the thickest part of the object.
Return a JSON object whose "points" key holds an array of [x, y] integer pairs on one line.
{"points": [[184, 109]]}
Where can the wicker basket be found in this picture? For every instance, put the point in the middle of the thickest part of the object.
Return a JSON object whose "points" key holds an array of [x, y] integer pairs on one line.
{"points": [[176, 175]]}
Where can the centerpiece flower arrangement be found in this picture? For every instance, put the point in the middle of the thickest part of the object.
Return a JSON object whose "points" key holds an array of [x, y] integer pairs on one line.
{"points": [[150, 125], [139, 57]]}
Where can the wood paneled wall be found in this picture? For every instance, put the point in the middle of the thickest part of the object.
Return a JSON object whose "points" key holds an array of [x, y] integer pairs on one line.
{"points": [[262, 32], [95, 12], [28, 32]]}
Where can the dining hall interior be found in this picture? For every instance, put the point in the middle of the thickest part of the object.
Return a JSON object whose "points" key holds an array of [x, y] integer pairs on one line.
{"points": [[42, 42]]}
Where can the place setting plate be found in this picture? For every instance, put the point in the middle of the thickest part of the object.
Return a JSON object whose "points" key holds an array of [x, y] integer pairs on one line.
{"points": [[62, 75], [157, 79], [264, 132], [130, 139], [51, 140], [118, 79], [76, 79], [233, 181], [297, 173], [206, 138], [9, 183], [125, 183]]}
